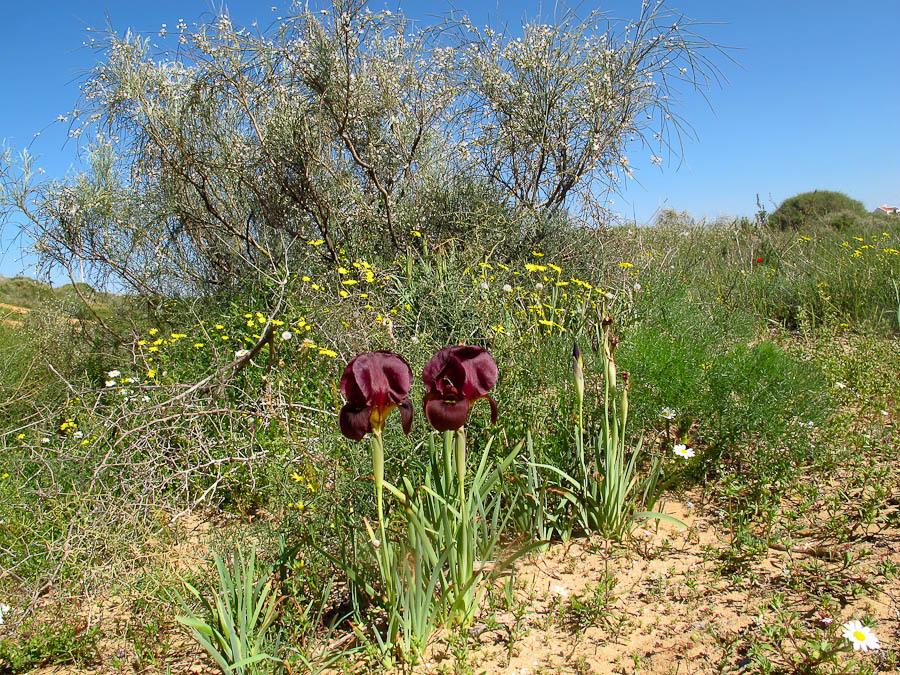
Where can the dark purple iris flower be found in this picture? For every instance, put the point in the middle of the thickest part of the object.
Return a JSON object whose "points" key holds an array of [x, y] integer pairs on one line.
{"points": [[454, 379], [374, 384]]}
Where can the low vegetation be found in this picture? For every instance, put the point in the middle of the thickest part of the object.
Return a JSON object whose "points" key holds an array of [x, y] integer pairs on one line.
{"points": [[380, 388], [223, 414]]}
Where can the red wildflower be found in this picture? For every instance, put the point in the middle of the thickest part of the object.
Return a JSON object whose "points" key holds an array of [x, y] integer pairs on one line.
{"points": [[455, 378], [374, 384]]}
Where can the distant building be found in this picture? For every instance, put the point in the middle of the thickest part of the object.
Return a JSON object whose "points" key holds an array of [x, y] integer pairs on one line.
{"points": [[890, 210]]}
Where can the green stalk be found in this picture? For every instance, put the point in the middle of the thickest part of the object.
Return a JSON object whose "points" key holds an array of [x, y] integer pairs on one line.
{"points": [[465, 555], [378, 473], [383, 551], [448, 462]]}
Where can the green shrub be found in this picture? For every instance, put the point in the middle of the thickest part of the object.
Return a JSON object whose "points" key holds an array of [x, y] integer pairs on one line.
{"points": [[800, 209], [54, 640], [727, 392]]}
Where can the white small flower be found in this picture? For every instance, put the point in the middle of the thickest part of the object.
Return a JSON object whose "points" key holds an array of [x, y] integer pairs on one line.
{"points": [[4, 610], [667, 413], [637, 288], [561, 591], [145, 398], [682, 450], [484, 285], [77, 434], [609, 296], [539, 286], [110, 383], [840, 385], [507, 288], [113, 373], [241, 353], [860, 636], [287, 335]]}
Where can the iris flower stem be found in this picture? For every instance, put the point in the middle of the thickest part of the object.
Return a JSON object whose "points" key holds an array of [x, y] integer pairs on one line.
{"points": [[465, 562], [378, 475], [580, 431]]}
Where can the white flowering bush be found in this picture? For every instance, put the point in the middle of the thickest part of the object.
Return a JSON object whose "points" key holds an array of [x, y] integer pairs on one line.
{"points": [[243, 151]]}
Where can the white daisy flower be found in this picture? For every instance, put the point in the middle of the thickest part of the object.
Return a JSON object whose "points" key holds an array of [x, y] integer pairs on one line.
{"points": [[241, 353], [287, 335], [113, 373], [507, 288], [682, 450], [860, 636], [667, 413], [4, 610], [110, 383]]}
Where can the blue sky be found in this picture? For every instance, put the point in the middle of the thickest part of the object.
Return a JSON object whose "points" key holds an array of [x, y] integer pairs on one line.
{"points": [[813, 104]]}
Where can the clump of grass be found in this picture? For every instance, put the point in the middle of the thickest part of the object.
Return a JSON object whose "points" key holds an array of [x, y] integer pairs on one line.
{"points": [[58, 639]]}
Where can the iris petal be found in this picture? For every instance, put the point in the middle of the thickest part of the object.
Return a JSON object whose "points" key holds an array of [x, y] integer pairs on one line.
{"points": [[481, 371], [445, 415], [494, 411], [406, 415], [355, 422]]}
